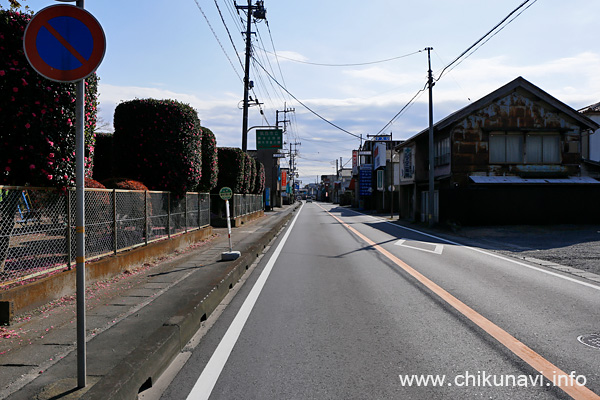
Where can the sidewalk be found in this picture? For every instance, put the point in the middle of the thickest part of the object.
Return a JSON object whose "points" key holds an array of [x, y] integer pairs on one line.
{"points": [[136, 323]]}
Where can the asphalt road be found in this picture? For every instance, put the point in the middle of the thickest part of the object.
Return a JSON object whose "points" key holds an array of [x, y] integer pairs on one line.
{"points": [[348, 306]]}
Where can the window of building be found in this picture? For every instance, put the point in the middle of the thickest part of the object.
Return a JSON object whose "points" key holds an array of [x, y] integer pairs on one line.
{"points": [[543, 149], [506, 147], [442, 152], [517, 148]]}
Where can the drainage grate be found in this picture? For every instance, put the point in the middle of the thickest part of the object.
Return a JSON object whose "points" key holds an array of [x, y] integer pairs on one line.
{"points": [[591, 339]]}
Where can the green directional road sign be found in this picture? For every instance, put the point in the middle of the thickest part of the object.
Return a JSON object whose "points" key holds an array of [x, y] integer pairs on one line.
{"points": [[225, 193], [269, 139]]}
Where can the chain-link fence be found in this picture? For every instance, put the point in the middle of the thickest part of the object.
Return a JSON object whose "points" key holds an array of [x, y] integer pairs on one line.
{"points": [[37, 225], [246, 204]]}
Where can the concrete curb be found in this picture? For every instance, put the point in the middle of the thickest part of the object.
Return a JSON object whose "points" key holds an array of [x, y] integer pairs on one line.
{"points": [[148, 361]]}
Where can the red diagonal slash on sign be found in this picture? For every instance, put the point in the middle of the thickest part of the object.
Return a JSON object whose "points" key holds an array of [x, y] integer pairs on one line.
{"points": [[64, 42]]}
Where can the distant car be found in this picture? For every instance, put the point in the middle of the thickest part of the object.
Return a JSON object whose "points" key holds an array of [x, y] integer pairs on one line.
{"points": [[309, 199]]}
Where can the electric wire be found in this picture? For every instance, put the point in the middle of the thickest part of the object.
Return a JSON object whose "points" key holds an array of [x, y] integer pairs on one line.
{"points": [[229, 34], [305, 106], [345, 65], [275, 52], [485, 36], [410, 102], [475, 46], [488, 39], [219, 41], [277, 90]]}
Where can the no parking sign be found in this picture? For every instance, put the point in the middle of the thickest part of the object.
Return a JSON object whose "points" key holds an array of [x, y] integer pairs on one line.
{"points": [[64, 43]]}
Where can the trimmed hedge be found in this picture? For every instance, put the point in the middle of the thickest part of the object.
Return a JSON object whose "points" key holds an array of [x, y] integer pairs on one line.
{"points": [[231, 169], [159, 142], [124, 184], [93, 184], [37, 128], [259, 186], [104, 157], [210, 162], [249, 174]]}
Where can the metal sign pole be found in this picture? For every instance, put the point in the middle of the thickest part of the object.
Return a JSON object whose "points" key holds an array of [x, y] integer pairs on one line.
{"points": [[226, 193], [80, 224], [228, 224]]}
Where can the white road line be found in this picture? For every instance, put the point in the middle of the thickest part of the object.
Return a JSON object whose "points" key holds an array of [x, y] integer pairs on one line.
{"points": [[567, 278], [208, 379], [437, 248]]}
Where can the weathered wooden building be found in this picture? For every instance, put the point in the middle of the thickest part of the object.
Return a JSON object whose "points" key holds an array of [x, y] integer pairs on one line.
{"points": [[514, 156]]}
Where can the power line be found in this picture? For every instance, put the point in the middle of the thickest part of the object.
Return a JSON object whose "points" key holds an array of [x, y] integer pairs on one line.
{"points": [[217, 38], [472, 47], [486, 35], [488, 39], [275, 52], [304, 105], [344, 65], [402, 109], [228, 34]]}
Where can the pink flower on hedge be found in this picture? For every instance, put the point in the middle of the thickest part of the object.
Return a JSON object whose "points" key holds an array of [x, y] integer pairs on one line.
{"points": [[2, 72], [32, 167], [15, 89], [49, 177], [27, 125], [7, 169]]}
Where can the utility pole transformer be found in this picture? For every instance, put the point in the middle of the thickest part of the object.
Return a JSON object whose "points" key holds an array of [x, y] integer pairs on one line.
{"points": [[257, 11]]}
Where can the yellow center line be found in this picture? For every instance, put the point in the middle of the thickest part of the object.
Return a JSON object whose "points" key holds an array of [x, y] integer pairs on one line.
{"points": [[536, 361]]}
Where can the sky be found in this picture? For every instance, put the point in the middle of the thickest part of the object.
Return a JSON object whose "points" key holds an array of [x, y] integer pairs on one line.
{"points": [[182, 49]]}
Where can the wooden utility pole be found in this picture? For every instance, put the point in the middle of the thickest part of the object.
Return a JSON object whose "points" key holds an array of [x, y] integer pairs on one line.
{"points": [[430, 203]]}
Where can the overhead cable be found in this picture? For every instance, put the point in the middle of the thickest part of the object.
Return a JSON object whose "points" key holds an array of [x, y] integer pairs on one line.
{"points": [[217, 38], [343, 65], [304, 105], [486, 35], [402, 109], [229, 34]]}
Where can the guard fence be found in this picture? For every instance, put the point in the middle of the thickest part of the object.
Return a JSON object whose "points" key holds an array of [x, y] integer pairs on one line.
{"points": [[37, 225], [239, 205]]}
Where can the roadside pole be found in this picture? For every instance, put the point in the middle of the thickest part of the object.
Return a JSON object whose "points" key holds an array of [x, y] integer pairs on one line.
{"points": [[76, 23], [226, 193]]}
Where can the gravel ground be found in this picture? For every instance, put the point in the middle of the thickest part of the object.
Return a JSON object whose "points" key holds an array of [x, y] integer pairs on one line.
{"points": [[576, 246]]}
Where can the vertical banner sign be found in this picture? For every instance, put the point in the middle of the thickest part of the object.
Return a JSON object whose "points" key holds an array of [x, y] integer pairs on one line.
{"points": [[379, 155], [283, 178], [366, 177]]}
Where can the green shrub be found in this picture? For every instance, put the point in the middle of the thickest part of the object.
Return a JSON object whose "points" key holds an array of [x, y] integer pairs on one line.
{"points": [[93, 184], [159, 142], [249, 174], [103, 156], [259, 186], [124, 184], [210, 162], [37, 127], [231, 169]]}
